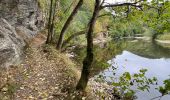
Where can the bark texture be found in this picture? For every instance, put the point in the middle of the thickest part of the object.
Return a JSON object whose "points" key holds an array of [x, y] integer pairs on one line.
{"points": [[49, 22], [87, 63], [52, 13]]}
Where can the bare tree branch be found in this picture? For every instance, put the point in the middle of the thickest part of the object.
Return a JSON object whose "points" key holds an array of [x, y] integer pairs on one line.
{"points": [[135, 4], [103, 2]]}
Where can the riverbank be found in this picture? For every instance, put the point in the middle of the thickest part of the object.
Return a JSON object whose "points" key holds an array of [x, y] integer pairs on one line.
{"points": [[159, 41], [163, 43], [164, 40]]}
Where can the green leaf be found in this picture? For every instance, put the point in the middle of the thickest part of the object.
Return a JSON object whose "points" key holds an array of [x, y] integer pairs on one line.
{"points": [[127, 76], [115, 84]]}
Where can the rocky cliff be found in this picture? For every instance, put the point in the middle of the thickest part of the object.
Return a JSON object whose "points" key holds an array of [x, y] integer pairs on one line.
{"points": [[20, 20]]}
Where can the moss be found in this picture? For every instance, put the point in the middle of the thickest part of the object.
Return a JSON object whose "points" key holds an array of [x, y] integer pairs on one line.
{"points": [[42, 4], [8, 90], [12, 88]]}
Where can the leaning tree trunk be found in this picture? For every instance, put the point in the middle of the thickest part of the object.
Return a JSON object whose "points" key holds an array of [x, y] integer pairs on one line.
{"points": [[67, 23], [89, 57], [72, 37]]}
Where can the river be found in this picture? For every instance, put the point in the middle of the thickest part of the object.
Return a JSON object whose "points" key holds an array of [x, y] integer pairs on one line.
{"points": [[131, 56]]}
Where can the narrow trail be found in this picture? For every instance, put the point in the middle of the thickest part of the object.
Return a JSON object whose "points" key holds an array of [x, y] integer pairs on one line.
{"points": [[44, 75], [38, 41]]}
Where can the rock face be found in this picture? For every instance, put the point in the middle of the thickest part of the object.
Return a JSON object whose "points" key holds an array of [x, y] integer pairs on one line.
{"points": [[22, 14], [11, 45], [20, 20]]}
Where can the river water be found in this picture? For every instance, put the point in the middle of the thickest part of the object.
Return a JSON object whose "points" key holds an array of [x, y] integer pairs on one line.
{"points": [[131, 56]]}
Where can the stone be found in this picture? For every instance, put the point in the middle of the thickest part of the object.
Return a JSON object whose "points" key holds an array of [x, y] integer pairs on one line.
{"points": [[25, 13], [11, 45], [20, 21]]}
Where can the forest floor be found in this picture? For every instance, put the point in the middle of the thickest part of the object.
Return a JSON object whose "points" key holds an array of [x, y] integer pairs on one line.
{"points": [[45, 74]]}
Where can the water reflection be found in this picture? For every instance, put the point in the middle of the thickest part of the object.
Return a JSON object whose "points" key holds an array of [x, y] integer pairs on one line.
{"points": [[129, 62], [131, 56], [148, 49]]}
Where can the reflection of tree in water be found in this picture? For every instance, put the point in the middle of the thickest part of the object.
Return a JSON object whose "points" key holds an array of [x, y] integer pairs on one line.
{"points": [[106, 51], [148, 49], [102, 53]]}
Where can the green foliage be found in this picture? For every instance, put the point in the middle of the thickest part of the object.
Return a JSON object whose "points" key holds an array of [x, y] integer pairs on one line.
{"points": [[125, 28], [164, 90], [155, 16], [7, 92], [126, 81], [158, 17], [12, 88], [101, 56], [79, 22]]}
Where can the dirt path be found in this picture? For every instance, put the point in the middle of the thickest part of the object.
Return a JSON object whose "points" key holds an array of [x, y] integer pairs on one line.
{"points": [[38, 40], [44, 75]]}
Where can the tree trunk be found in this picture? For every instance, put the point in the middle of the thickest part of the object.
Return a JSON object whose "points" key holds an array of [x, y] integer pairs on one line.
{"points": [[49, 22], [53, 21], [89, 57], [73, 36], [67, 23], [128, 11]]}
